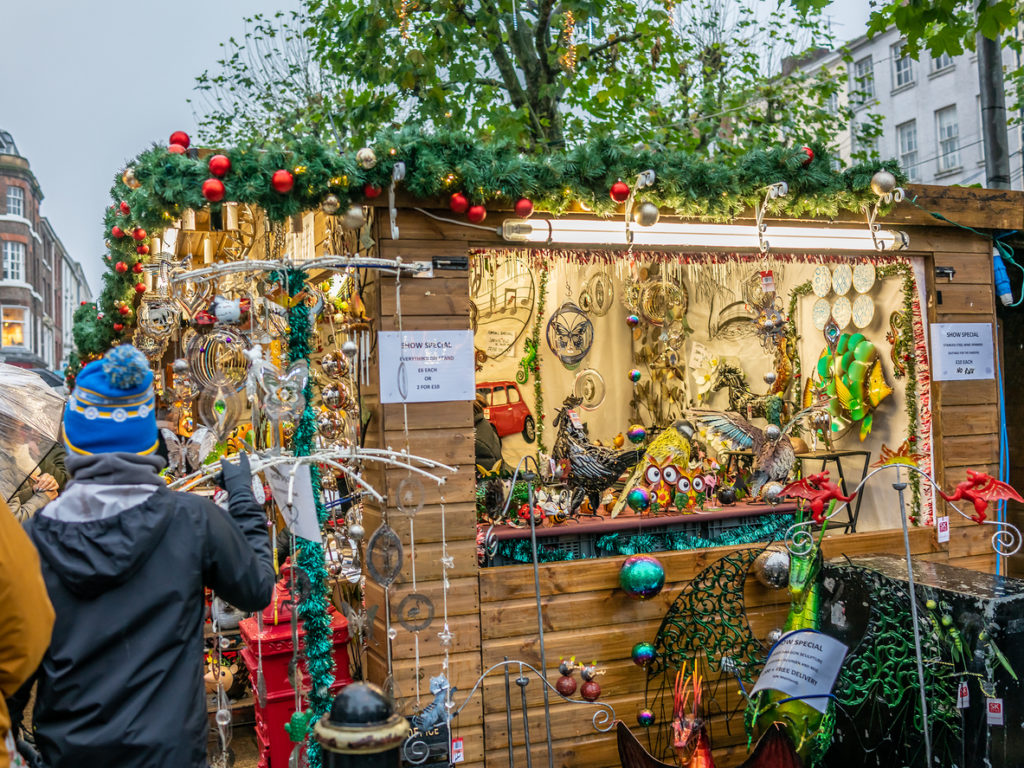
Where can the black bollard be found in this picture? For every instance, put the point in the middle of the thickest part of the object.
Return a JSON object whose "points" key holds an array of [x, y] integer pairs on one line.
{"points": [[362, 730]]}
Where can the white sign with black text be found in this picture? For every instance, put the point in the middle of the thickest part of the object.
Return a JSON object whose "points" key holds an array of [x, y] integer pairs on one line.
{"points": [[804, 664], [300, 514], [962, 351], [426, 366]]}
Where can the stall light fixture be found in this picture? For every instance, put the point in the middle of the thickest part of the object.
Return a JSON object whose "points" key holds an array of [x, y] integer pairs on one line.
{"points": [[679, 234]]}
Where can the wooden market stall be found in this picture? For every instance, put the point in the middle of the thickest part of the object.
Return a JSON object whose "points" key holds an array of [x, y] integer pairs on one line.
{"points": [[585, 614]]}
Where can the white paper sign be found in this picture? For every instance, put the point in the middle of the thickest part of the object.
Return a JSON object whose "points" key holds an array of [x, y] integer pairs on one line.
{"points": [[994, 714], [962, 351], [942, 529], [300, 515], [963, 696], [803, 664], [498, 342], [426, 366], [458, 750]]}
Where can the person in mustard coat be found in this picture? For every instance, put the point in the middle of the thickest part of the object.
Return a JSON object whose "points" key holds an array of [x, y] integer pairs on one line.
{"points": [[26, 618]]}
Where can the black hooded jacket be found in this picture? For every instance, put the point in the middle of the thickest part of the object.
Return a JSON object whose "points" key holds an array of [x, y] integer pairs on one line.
{"points": [[125, 561]]}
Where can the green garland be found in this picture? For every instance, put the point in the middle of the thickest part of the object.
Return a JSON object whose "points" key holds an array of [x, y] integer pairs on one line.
{"points": [[318, 642], [159, 186], [538, 390], [804, 289]]}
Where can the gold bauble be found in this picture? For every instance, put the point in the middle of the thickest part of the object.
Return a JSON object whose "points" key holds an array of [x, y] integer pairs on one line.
{"points": [[366, 158], [354, 217], [128, 177], [882, 183], [330, 205], [646, 214]]}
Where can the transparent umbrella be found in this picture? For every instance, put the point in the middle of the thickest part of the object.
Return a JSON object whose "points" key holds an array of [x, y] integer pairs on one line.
{"points": [[30, 420]]}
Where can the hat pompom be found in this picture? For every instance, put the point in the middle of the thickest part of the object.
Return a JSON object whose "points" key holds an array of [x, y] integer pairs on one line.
{"points": [[125, 367]]}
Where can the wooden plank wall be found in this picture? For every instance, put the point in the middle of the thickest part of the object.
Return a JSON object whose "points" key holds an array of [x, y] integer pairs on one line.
{"points": [[585, 614]]}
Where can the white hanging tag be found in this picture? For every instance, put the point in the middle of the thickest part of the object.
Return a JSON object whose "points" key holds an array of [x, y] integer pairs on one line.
{"points": [[942, 529], [963, 695]]}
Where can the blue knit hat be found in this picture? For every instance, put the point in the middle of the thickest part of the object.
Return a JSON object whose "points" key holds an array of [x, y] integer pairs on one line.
{"points": [[112, 409]]}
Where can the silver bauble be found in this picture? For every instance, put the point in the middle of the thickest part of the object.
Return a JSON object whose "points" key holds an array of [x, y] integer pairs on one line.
{"points": [[366, 158], [350, 349], [772, 433], [646, 214], [335, 396], [774, 636], [882, 183], [770, 377], [335, 365], [354, 217], [180, 366], [772, 493], [330, 205], [771, 568], [356, 532]]}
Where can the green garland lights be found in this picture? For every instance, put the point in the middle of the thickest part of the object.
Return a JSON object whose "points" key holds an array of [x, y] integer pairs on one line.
{"points": [[538, 390], [318, 641], [159, 185]]}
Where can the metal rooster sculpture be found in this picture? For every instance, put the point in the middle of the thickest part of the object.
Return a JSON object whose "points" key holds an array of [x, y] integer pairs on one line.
{"points": [[772, 449], [819, 491], [591, 469], [980, 489], [689, 736]]}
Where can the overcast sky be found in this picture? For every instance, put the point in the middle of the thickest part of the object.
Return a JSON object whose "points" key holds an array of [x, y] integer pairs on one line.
{"points": [[86, 86]]}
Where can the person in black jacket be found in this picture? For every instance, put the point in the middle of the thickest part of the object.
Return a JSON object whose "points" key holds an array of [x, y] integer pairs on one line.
{"points": [[125, 561]]}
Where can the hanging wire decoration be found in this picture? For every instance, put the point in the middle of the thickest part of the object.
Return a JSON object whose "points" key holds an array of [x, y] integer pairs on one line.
{"points": [[570, 334]]}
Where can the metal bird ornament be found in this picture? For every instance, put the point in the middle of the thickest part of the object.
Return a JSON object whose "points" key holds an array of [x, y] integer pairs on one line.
{"points": [[980, 489], [591, 468], [771, 447]]}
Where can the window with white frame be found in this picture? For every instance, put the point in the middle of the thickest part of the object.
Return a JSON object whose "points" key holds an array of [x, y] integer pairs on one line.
{"points": [[948, 130], [15, 200], [902, 66], [14, 330], [14, 260], [906, 138], [941, 62], [863, 80]]}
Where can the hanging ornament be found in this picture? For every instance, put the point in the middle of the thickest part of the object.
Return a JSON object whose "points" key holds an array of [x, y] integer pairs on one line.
{"points": [[142, 250], [330, 205], [125, 310], [213, 190], [634, 375], [139, 233], [180, 139], [335, 365], [619, 191], [128, 177], [570, 334], [354, 217], [217, 356], [637, 434], [771, 567], [121, 267], [372, 191], [524, 208], [137, 267], [639, 499], [589, 387], [476, 213], [140, 287], [158, 317], [125, 208], [331, 426], [882, 183], [336, 396], [282, 181], [645, 718], [409, 497], [219, 409], [643, 654], [366, 158], [118, 327], [646, 214], [176, 149], [116, 232], [219, 165], [349, 349], [458, 203], [809, 156], [642, 576], [284, 393], [632, 320]]}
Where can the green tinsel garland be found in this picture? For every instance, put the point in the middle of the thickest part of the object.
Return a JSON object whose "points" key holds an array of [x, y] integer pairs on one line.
{"points": [[538, 391], [438, 164], [318, 642]]}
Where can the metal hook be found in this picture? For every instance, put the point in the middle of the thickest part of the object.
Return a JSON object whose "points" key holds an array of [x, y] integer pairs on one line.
{"points": [[774, 192]]}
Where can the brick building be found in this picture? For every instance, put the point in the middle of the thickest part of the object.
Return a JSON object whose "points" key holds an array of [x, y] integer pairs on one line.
{"points": [[41, 284]]}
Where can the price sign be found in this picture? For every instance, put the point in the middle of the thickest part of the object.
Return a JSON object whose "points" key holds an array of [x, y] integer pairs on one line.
{"points": [[942, 529], [768, 281], [962, 351], [458, 750], [803, 664], [963, 695], [994, 711], [426, 366]]}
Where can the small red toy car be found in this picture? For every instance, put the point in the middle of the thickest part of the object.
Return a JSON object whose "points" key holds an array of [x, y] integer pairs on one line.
{"points": [[506, 409]]}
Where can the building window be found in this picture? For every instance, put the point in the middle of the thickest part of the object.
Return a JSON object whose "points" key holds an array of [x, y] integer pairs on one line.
{"points": [[903, 67], [13, 331], [948, 130], [14, 260], [15, 200], [864, 80], [941, 62], [906, 137]]}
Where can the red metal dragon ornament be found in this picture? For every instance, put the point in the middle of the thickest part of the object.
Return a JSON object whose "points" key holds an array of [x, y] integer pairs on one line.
{"points": [[818, 490], [981, 490]]}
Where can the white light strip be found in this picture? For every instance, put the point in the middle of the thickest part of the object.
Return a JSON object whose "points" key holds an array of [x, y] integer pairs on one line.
{"points": [[598, 232]]}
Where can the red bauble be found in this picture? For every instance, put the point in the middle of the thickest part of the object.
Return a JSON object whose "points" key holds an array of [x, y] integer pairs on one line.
{"points": [[180, 138], [619, 191], [590, 690], [121, 267], [566, 685], [125, 208], [524, 208], [810, 155], [142, 250], [176, 149], [213, 190], [124, 309], [476, 213], [118, 327], [372, 191], [140, 287], [139, 233], [282, 181], [219, 165], [83, 303], [458, 203], [137, 268], [117, 232]]}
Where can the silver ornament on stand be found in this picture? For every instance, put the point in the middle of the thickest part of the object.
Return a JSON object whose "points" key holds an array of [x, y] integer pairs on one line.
{"points": [[354, 217], [771, 568], [646, 214], [882, 183]]}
